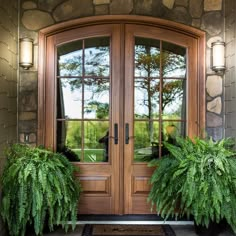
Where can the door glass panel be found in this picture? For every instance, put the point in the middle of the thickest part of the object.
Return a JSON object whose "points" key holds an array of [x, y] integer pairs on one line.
{"points": [[96, 98], [97, 53], [70, 59], [96, 141], [147, 57], [83, 99], [173, 99], [94, 147], [173, 60], [69, 98], [146, 100], [159, 96], [146, 140], [171, 130], [174, 81], [69, 139]]}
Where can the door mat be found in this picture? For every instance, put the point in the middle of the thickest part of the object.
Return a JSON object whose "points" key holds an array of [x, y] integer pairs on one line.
{"points": [[127, 230]]}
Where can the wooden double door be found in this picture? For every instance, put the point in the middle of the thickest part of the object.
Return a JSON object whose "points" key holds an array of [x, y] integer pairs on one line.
{"points": [[114, 93]]}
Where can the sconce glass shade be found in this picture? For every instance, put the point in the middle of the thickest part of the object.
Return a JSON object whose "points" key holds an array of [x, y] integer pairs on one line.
{"points": [[26, 53], [218, 56]]}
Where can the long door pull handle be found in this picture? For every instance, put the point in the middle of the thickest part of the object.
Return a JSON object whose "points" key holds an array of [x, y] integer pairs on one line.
{"points": [[116, 133], [126, 133]]}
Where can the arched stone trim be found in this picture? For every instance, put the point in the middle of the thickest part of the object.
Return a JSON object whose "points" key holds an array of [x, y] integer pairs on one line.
{"points": [[108, 19]]}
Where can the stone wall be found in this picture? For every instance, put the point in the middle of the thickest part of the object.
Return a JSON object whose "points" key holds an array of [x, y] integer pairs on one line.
{"points": [[207, 15], [8, 77], [230, 79]]}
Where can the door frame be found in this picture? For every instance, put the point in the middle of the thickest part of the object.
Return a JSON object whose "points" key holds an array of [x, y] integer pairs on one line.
{"points": [[48, 68]]}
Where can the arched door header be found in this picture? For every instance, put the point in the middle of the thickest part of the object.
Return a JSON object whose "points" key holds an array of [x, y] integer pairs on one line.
{"points": [[132, 19]]}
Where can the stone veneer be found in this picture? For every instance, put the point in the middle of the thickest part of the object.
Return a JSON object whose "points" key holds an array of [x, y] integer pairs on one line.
{"points": [[8, 78], [207, 15], [230, 77]]}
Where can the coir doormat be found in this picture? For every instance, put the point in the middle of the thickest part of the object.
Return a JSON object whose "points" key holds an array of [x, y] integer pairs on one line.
{"points": [[127, 230]]}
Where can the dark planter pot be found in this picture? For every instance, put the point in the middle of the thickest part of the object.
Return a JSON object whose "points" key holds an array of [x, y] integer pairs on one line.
{"points": [[30, 228], [213, 228]]}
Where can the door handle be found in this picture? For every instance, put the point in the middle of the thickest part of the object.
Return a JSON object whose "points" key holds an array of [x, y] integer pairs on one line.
{"points": [[126, 133], [116, 133]]}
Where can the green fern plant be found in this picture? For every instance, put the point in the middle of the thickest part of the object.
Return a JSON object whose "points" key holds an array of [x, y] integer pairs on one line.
{"points": [[197, 178], [38, 188]]}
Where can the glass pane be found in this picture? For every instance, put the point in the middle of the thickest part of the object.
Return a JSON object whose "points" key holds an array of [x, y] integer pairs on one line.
{"points": [[146, 141], [147, 57], [174, 99], [97, 56], [171, 130], [70, 59], [69, 140], [69, 98], [96, 141], [173, 60], [146, 98], [96, 98], [83, 141]]}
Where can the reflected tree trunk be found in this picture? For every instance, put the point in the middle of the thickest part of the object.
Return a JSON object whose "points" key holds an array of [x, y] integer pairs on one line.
{"points": [[150, 123], [61, 130]]}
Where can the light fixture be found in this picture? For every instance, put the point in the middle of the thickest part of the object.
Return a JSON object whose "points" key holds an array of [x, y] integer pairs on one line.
{"points": [[218, 56], [26, 53]]}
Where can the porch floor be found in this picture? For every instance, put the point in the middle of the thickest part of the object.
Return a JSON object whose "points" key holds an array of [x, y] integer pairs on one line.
{"points": [[180, 230]]}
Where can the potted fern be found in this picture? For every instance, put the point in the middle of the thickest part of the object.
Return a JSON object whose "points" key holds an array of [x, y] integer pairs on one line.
{"points": [[197, 178], [38, 189]]}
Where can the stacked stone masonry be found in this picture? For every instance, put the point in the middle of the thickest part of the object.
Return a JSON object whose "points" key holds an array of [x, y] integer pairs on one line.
{"points": [[230, 78], [207, 15], [8, 78], [214, 105]]}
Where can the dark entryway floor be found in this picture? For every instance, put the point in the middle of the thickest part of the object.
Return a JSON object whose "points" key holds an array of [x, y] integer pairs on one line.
{"points": [[180, 230]]}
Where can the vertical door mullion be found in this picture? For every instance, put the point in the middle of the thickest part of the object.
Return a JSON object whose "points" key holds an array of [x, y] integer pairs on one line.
{"points": [[115, 120], [128, 117]]}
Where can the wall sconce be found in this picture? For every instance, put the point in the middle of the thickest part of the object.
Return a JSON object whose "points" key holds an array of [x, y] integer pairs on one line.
{"points": [[26, 53], [218, 56]]}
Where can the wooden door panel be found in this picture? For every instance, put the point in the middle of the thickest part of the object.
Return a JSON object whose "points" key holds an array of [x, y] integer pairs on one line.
{"points": [[140, 205], [140, 185], [97, 185], [95, 205], [97, 197], [141, 179]]}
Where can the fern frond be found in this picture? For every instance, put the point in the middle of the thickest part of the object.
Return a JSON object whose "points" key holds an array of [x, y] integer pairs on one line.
{"points": [[197, 178], [38, 184]]}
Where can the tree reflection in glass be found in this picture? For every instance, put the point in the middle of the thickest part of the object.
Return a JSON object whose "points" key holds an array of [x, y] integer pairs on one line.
{"points": [[160, 84], [96, 57], [69, 98], [96, 98], [173, 105], [70, 59], [83, 97]]}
